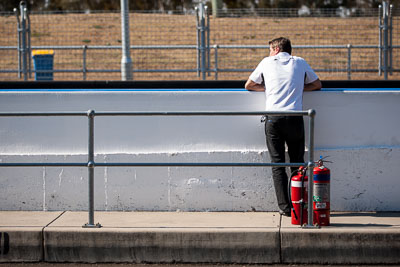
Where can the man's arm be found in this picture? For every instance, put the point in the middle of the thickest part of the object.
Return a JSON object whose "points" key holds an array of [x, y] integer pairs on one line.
{"points": [[253, 86], [315, 85]]}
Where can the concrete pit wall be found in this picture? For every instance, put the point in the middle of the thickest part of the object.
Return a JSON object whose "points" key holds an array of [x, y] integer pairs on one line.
{"points": [[358, 130]]}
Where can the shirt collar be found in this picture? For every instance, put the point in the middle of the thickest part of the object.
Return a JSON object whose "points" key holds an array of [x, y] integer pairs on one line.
{"points": [[283, 56]]}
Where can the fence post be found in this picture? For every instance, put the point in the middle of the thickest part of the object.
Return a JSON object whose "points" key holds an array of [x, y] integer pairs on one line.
{"points": [[84, 69], [385, 29], [390, 39], [22, 41], [349, 62], [90, 166], [216, 61], [216, 6], [380, 41], [208, 39], [126, 61], [29, 50], [202, 42], [18, 42]]}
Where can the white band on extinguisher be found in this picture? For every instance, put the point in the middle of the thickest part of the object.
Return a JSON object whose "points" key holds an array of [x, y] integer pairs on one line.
{"points": [[298, 184]]}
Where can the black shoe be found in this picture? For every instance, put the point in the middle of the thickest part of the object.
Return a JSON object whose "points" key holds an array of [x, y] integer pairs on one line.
{"points": [[285, 213]]}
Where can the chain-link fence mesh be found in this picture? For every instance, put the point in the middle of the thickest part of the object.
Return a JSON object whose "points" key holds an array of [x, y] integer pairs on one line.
{"points": [[396, 42], [87, 46]]}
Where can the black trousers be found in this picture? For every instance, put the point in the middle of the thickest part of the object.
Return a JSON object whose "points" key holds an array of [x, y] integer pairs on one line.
{"points": [[281, 130]]}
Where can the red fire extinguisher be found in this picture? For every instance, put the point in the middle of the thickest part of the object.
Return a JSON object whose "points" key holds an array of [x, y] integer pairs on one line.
{"points": [[298, 194], [321, 194]]}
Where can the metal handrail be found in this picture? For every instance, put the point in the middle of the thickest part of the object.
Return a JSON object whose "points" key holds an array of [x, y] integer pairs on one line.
{"points": [[216, 69], [91, 164]]}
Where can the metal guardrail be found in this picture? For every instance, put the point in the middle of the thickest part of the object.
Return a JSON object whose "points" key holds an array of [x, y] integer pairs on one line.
{"points": [[91, 164], [349, 48], [200, 69]]}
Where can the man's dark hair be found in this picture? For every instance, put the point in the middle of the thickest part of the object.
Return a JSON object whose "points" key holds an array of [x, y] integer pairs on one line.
{"points": [[283, 44]]}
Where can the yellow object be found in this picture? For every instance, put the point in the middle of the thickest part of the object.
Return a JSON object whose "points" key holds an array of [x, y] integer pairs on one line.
{"points": [[42, 52]]}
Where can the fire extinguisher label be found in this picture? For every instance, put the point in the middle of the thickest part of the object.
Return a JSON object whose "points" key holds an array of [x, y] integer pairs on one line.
{"points": [[321, 192], [319, 205], [298, 184]]}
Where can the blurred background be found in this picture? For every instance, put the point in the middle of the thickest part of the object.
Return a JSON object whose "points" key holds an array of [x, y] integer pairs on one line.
{"points": [[194, 40]]}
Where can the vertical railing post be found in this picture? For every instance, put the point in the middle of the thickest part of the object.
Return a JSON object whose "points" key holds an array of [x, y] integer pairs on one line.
{"points": [[391, 39], [91, 166], [385, 27], [208, 39], [29, 48], [202, 29], [311, 114], [380, 41], [126, 61], [23, 42], [198, 40], [84, 62], [216, 61], [18, 42], [349, 62]]}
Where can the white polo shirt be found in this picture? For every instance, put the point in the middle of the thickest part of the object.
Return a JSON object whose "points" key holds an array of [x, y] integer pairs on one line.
{"points": [[284, 78]]}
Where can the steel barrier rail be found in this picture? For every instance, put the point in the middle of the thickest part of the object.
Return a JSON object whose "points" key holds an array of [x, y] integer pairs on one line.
{"points": [[349, 70], [85, 48], [91, 164], [216, 69]]}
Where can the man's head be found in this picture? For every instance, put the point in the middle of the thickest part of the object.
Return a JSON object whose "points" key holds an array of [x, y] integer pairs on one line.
{"points": [[278, 45]]}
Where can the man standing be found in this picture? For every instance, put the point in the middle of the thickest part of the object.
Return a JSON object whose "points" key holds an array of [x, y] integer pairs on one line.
{"points": [[283, 77]]}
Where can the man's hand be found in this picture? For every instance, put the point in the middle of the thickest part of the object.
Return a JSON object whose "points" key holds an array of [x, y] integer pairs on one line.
{"points": [[253, 86], [315, 85]]}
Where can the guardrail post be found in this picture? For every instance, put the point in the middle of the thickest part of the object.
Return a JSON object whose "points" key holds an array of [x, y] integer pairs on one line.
{"points": [[22, 40], [384, 44], [126, 61], [91, 166], [202, 42], [208, 39], [216, 61], [18, 42], [84, 69], [311, 114], [349, 62], [391, 39]]}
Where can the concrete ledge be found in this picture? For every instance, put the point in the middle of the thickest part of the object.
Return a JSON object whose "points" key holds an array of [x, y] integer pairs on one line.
{"points": [[21, 238], [162, 237], [198, 237], [21, 244], [347, 246], [163, 246], [362, 238]]}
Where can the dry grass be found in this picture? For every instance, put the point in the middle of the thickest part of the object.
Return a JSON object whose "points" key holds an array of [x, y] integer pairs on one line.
{"points": [[161, 29]]}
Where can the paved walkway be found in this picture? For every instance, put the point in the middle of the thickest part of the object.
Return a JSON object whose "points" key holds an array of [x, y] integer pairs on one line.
{"points": [[198, 237]]}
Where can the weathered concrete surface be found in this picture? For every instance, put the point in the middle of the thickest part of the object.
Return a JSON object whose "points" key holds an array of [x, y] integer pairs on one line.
{"points": [[352, 238], [21, 235], [165, 237], [199, 237], [363, 147]]}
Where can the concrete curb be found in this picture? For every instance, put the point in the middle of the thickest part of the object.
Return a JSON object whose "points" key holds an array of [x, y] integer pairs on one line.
{"points": [[198, 237], [162, 246], [347, 246], [24, 244]]}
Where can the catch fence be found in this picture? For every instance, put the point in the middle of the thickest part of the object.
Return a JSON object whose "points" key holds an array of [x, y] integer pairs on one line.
{"points": [[338, 43]]}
